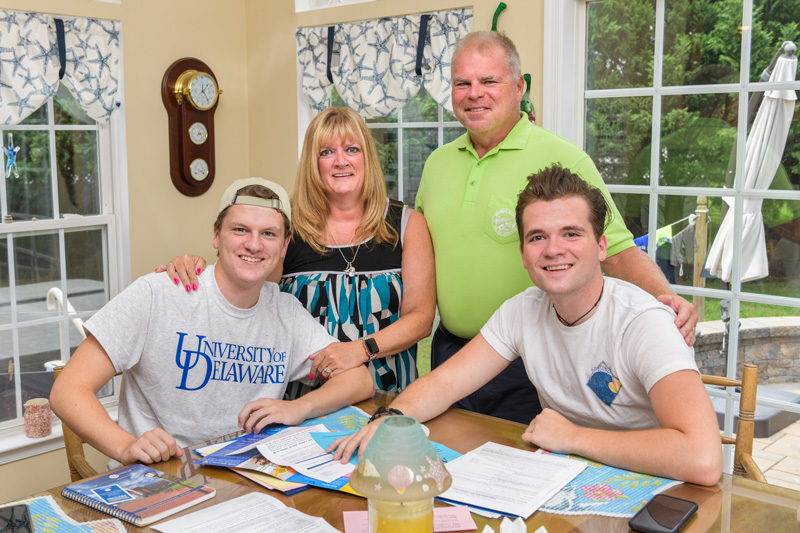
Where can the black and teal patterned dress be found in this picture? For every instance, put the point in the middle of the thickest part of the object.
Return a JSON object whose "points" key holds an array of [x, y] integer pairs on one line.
{"points": [[358, 306]]}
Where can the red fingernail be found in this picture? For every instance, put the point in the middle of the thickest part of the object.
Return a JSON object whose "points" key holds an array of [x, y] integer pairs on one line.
{"points": [[187, 288], [194, 287], [311, 376], [198, 270], [177, 281]]}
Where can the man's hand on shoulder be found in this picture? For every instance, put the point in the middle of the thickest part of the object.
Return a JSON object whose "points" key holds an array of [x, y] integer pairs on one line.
{"points": [[551, 431], [687, 318], [151, 447]]}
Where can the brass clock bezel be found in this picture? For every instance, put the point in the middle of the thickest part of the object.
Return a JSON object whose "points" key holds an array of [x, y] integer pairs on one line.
{"points": [[198, 125], [183, 88]]}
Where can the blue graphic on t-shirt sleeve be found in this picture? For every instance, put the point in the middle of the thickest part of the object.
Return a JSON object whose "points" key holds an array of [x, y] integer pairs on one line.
{"points": [[604, 383]]}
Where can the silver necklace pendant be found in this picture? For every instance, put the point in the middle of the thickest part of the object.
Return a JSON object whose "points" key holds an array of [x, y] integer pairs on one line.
{"points": [[350, 270]]}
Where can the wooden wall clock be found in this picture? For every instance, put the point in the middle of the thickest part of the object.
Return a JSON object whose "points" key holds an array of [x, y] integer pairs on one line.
{"points": [[190, 94]]}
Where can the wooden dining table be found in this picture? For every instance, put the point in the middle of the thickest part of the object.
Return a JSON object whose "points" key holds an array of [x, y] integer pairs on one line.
{"points": [[733, 504]]}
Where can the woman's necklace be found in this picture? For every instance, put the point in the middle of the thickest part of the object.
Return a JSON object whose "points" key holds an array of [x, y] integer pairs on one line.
{"points": [[349, 269], [570, 324]]}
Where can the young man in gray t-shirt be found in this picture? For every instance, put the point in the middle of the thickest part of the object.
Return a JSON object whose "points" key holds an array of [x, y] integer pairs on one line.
{"points": [[205, 364]]}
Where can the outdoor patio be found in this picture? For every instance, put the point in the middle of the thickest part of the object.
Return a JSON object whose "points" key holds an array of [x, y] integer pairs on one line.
{"points": [[778, 456]]}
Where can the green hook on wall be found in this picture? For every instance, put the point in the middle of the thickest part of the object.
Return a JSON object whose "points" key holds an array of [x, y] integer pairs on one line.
{"points": [[526, 105], [497, 12]]}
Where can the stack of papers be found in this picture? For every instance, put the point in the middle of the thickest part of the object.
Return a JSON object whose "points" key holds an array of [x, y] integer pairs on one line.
{"points": [[508, 480]]}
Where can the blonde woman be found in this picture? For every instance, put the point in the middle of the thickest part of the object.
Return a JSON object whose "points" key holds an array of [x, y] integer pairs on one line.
{"points": [[362, 264]]}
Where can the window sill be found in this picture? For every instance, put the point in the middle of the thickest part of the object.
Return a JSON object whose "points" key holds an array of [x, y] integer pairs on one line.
{"points": [[14, 445]]}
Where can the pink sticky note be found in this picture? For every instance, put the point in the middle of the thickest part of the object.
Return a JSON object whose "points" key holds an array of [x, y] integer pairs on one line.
{"points": [[455, 518]]}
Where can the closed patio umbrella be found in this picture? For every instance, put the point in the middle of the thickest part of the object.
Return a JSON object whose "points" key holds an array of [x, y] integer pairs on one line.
{"points": [[763, 153]]}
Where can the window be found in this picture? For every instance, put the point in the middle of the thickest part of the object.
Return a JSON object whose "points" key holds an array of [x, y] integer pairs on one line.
{"points": [[60, 247], [405, 140], [671, 91]]}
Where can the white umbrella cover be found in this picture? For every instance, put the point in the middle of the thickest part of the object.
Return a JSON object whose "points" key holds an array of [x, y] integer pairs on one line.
{"points": [[763, 153]]}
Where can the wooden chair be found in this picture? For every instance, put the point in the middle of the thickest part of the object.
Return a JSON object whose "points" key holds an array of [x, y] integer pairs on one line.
{"points": [[79, 467], [743, 463]]}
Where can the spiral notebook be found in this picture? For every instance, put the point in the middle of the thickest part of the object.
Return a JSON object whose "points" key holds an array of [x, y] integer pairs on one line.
{"points": [[137, 494]]}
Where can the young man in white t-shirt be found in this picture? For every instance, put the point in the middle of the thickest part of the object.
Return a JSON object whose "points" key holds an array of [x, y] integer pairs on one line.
{"points": [[617, 382], [202, 365]]}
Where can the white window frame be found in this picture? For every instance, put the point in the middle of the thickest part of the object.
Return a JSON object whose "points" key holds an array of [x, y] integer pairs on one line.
{"points": [[563, 98], [114, 217]]}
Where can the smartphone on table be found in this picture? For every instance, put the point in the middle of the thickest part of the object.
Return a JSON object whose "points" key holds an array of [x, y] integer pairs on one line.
{"points": [[15, 519], [663, 514]]}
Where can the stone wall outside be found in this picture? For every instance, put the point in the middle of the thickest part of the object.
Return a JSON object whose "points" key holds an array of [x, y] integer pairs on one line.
{"points": [[771, 343]]}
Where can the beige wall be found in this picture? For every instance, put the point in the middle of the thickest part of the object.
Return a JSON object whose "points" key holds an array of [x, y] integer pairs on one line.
{"points": [[249, 44]]}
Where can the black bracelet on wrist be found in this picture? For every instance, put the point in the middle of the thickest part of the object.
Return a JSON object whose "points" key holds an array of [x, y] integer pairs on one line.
{"points": [[384, 411]]}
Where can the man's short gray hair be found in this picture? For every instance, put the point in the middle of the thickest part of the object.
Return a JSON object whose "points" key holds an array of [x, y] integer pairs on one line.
{"points": [[486, 38]]}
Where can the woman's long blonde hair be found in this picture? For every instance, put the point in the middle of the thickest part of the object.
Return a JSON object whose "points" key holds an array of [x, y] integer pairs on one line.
{"points": [[309, 204]]}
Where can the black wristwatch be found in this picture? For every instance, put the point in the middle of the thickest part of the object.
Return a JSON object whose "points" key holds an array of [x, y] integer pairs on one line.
{"points": [[371, 348], [384, 411]]}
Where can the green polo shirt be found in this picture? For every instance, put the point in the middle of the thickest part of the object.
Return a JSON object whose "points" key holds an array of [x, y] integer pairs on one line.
{"points": [[469, 204]]}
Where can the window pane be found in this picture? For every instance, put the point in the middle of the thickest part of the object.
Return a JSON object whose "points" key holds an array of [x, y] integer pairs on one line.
{"points": [[386, 144], [709, 351], [5, 293], [617, 133], [37, 117], [421, 108], [620, 39], [8, 399], [66, 109], [698, 138], [78, 173], [418, 144], [782, 240], [37, 271], [86, 283], [702, 42], [634, 209], [773, 23], [767, 144], [451, 134], [37, 346], [31, 195]]}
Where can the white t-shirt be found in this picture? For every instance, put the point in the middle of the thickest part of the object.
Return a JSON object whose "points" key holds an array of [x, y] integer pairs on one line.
{"points": [[598, 373], [191, 361]]}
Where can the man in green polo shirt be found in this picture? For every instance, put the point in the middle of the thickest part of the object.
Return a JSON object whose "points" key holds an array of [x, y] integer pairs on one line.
{"points": [[468, 194]]}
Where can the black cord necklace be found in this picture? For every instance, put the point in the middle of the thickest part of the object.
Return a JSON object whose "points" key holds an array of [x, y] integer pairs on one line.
{"points": [[570, 324]]}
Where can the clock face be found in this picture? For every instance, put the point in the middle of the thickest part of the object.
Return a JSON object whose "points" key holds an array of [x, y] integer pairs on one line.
{"points": [[198, 133], [203, 91], [198, 169]]}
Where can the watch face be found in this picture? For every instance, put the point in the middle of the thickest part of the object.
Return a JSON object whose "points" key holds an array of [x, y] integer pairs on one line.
{"points": [[199, 169], [198, 133], [203, 91]]}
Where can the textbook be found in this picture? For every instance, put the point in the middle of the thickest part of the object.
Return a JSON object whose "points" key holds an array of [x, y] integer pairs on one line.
{"points": [[137, 494]]}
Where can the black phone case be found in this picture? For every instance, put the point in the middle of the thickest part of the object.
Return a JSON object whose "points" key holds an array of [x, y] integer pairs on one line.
{"points": [[643, 522]]}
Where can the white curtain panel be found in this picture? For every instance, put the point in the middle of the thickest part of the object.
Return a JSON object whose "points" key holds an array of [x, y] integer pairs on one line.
{"points": [[373, 63], [30, 63]]}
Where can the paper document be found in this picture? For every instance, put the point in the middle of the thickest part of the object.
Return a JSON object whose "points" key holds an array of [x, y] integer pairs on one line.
{"points": [[253, 513], [509, 480], [299, 450]]}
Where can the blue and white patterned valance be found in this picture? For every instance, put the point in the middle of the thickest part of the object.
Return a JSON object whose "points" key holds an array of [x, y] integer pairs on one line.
{"points": [[30, 63], [373, 64]]}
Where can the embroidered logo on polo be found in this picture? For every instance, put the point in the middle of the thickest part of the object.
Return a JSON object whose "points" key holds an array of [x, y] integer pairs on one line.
{"points": [[504, 222], [604, 383], [218, 361]]}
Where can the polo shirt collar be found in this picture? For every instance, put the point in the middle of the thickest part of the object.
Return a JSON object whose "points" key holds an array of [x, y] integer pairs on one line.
{"points": [[517, 138]]}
